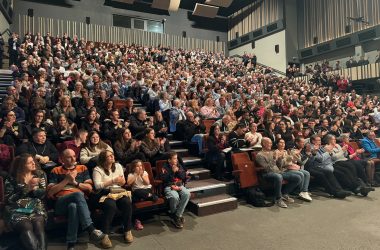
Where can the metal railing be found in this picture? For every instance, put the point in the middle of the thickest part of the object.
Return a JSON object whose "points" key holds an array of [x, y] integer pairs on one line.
{"points": [[369, 71]]}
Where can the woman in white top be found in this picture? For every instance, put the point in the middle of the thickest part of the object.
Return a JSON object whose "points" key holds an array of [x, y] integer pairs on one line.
{"points": [[106, 175]]}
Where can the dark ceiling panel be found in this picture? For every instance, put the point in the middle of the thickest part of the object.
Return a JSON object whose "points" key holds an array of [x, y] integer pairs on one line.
{"points": [[61, 3], [144, 6]]}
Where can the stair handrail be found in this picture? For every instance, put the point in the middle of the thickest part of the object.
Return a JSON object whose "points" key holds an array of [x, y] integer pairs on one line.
{"points": [[8, 31], [263, 65]]}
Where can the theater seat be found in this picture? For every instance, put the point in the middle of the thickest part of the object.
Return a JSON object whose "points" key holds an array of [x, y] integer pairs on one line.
{"points": [[145, 206], [238, 158], [246, 175]]}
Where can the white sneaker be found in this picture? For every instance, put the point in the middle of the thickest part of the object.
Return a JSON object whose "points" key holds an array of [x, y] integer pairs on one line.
{"points": [[281, 203], [305, 196]]}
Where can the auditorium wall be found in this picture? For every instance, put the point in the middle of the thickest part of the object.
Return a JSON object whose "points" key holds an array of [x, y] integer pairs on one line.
{"points": [[102, 15], [265, 51], [3, 25]]}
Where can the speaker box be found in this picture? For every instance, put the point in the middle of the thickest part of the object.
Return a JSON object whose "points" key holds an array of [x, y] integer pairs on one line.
{"points": [[253, 45], [30, 12], [217, 38], [88, 20], [236, 34], [184, 34], [315, 40], [277, 48], [348, 29]]}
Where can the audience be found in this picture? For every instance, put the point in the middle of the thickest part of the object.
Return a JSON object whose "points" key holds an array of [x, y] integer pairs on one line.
{"points": [[63, 84]]}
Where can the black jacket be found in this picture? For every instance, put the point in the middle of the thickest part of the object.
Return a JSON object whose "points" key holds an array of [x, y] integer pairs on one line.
{"points": [[170, 178]]}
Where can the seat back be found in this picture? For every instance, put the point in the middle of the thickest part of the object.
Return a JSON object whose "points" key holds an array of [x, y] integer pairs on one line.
{"points": [[6, 157], [208, 124], [377, 141], [247, 174], [354, 145], [238, 158], [2, 192], [159, 165], [119, 104], [148, 169]]}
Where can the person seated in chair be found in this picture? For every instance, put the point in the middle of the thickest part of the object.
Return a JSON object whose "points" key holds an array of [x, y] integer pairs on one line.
{"points": [[78, 142], [371, 147], [89, 154], [128, 110], [215, 157], [126, 148], [236, 139], [26, 185], [38, 121], [174, 178], [138, 179], [11, 132], [67, 186], [193, 130], [270, 160], [109, 179], [42, 149]]}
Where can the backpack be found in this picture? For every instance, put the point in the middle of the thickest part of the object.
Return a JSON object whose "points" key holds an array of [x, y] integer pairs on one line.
{"points": [[256, 197]]}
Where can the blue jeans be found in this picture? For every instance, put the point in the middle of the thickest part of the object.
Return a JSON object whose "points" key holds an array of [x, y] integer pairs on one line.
{"points": [[305, 176], [177, 200], [293, 182], [74, 206], [198, 138]]}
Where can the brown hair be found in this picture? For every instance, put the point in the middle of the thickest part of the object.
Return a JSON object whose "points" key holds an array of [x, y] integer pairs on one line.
{"points": [[101, 144], [18, 166], [102, 162]]}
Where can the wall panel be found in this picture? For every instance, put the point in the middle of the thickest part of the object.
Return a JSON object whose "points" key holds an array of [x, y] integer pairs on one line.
{"points": [[327, 19]]}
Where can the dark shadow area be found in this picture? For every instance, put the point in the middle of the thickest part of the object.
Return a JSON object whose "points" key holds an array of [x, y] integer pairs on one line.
{"points": [[215, 24], [61, 3]]}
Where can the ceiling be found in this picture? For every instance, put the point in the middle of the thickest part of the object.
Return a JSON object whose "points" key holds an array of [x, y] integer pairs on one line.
{"points": [[144, 6]]}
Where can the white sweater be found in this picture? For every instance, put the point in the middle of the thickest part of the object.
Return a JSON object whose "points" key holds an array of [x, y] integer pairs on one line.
{"points": [[100, 177]]}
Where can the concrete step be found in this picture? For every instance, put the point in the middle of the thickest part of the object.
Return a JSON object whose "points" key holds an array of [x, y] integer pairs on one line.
{"points": [[5, 71], [201, 173], [192, 160], [183, 152], [207, 187], [174, 143], [212, 204]]}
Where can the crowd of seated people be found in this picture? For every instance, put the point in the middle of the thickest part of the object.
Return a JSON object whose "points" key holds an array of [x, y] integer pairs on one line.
{"points": [[60, 113]]}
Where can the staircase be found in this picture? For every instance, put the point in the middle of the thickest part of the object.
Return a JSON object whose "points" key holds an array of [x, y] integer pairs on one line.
{"points": [[208, 196], [5, 81]]}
